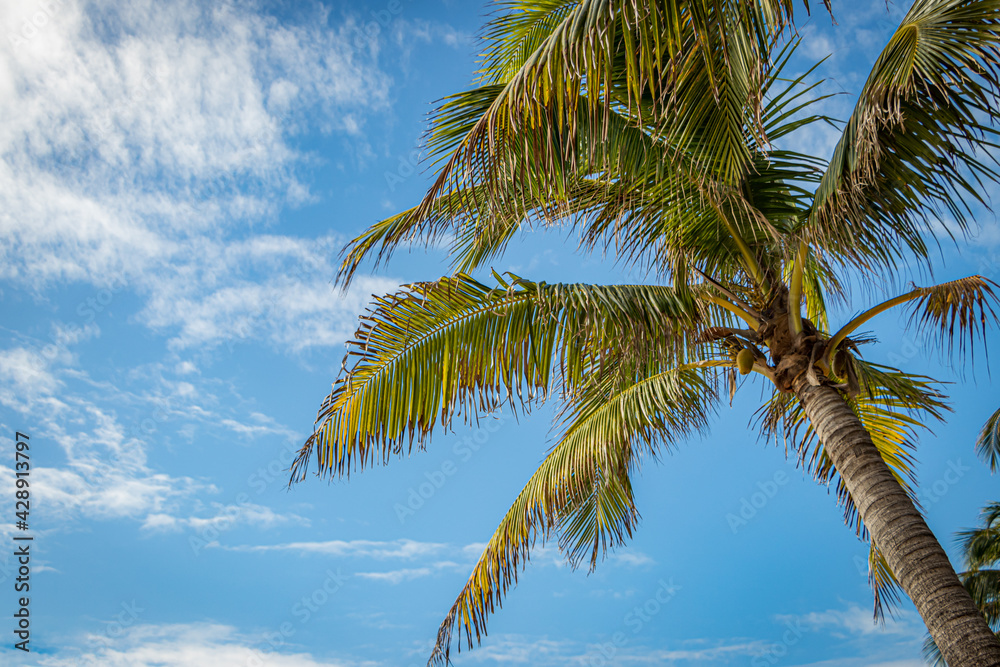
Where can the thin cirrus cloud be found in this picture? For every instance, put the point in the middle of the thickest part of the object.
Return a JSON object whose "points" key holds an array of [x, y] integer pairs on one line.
{"points": [[181, 645], [399, 549], [103, 431], [424, 558], [105, 473], [142, 141]]}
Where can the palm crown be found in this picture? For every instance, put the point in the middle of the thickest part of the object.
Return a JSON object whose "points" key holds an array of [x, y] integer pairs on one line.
{"points": [[656, 130]]}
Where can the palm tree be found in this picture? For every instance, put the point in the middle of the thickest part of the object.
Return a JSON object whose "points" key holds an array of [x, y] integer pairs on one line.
{"points": [[659, 131], [981, 551]]}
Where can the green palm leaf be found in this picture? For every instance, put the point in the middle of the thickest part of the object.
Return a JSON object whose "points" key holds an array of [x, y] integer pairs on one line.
{"points": [[988, 443], [581, 489], [981, 549], [918, 141], [959, 310], [456, 347], [630, 190]]}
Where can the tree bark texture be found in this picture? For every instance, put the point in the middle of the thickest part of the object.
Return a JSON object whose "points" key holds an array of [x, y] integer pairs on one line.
{"points": [[910, 548]]}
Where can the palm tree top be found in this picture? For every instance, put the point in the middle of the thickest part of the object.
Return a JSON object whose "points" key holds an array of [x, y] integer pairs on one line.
{"points": [[659, 133]]}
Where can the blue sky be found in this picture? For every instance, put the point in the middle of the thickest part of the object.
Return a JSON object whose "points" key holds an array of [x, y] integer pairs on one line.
{"points": [[175, 183]]}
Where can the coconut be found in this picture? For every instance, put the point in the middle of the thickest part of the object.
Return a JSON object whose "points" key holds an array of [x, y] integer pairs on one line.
{"points": [[744, 361]]}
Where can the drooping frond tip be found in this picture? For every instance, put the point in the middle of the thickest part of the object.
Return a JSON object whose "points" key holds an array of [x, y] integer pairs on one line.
{"points": [[957, 311], [988, 443], [920, 143], [582, 490]]}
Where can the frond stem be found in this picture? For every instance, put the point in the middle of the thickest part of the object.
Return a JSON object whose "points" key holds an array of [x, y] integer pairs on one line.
{"points": [[746, 307], [844, 331], [751, 321], [748, 257], [795, 291]]}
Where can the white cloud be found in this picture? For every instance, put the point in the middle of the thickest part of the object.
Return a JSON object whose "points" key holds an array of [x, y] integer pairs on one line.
{"points": [[26, 373], [218, 301], [858, 622], [866, 662], [182, 645], [403, 549], [144, 140], [225, 518], [105, 473], [631, 558], [519, 649], [397, 576]]}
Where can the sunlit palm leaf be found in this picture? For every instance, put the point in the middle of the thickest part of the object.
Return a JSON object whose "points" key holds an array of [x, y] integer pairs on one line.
{"points": [[581, 489], [516, 32], [957, 311], [457, 347], [885, 587], [623, 184]]}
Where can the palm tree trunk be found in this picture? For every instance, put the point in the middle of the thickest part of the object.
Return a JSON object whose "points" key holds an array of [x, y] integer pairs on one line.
{"points": [[914, 554]]}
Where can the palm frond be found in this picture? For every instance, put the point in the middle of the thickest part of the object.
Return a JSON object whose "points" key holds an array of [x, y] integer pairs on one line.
{"points": [[581, 489], [932, 654], [885, 587], [917, 145], [622, 184], [981, 546], [988, 443], [959, 310], [517, 31], [456, 347], [956, 311], [981, 550]]}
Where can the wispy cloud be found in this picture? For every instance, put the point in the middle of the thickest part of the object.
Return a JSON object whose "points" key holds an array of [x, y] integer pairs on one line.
{"points": [[148, 140], [855, 621], [249, 514], [397, 576], [104, 431], [395, 549], [105, 474], [183, 645]]}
